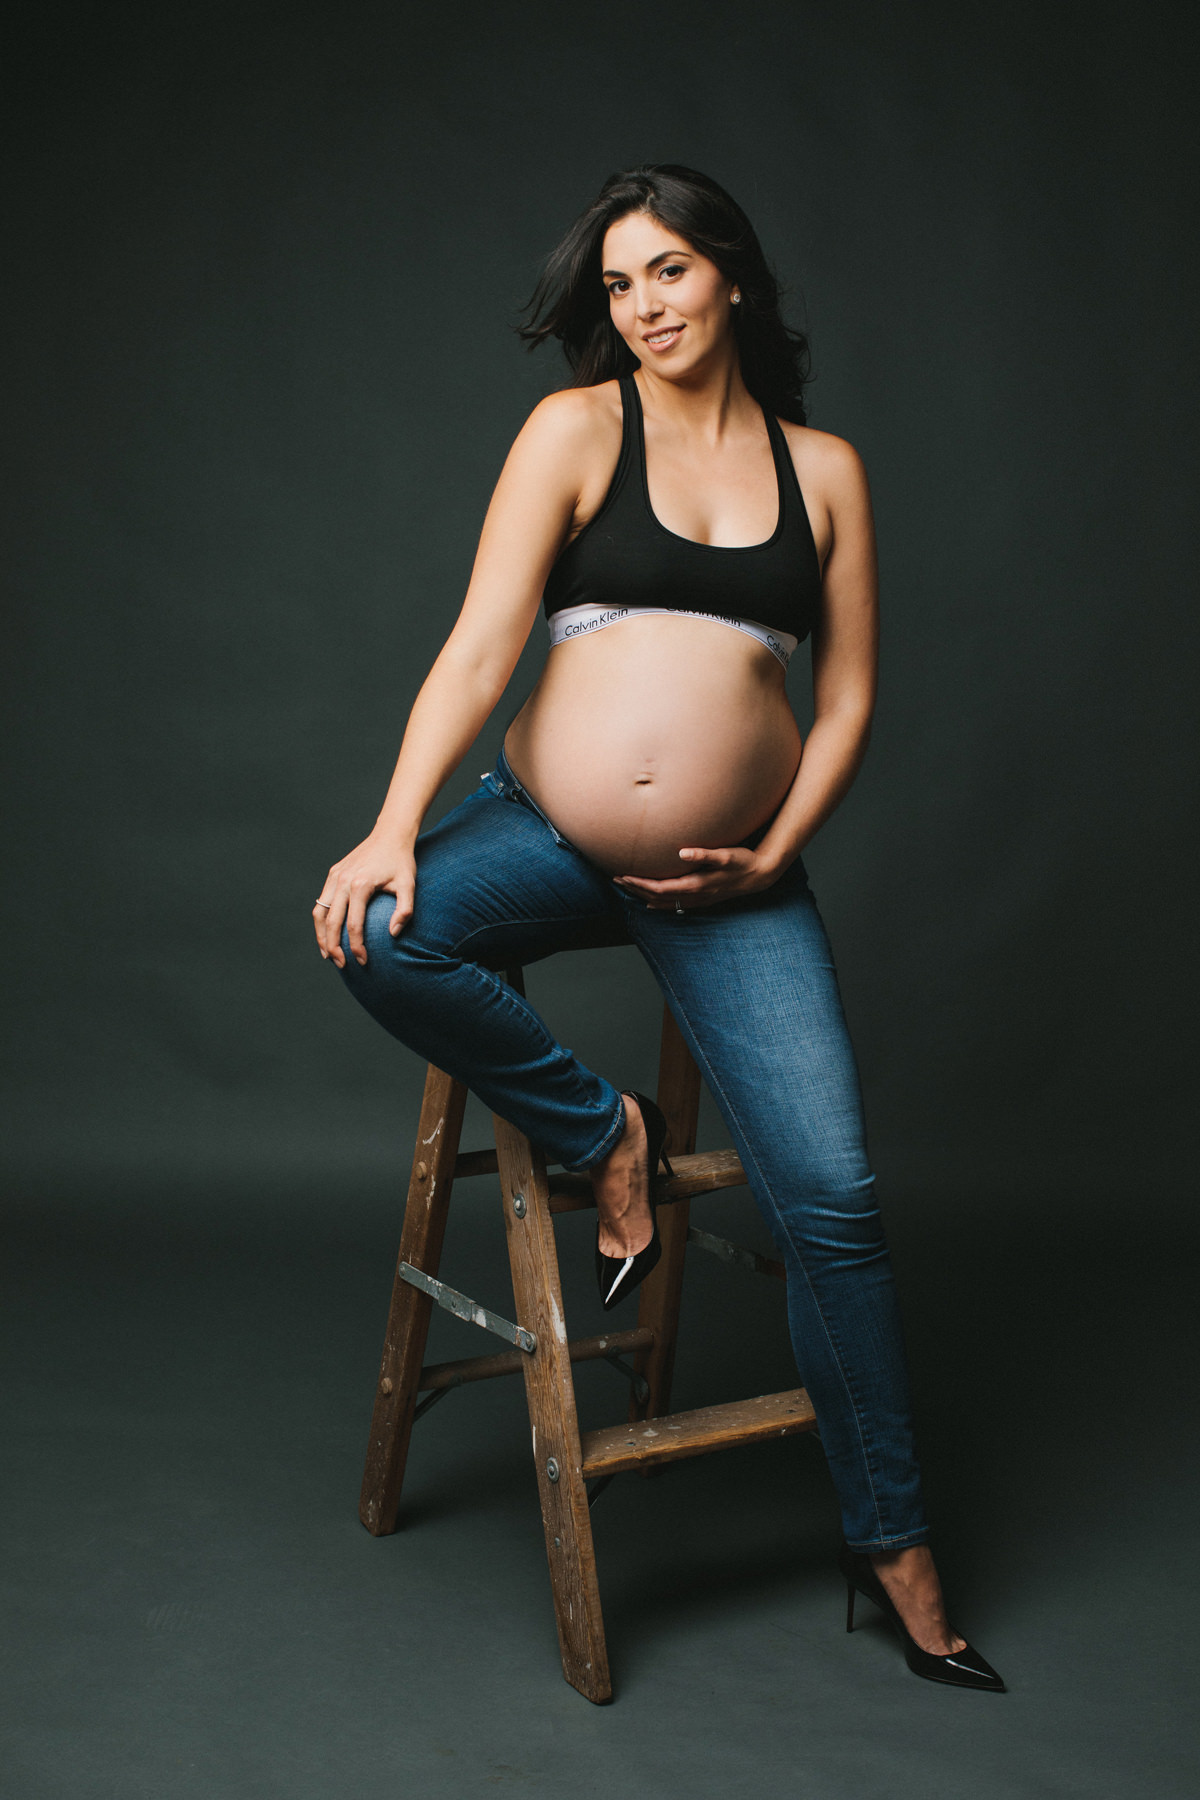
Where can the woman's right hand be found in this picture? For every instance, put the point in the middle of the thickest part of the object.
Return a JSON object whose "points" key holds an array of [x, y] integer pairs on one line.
{"points": [[527, 521], [379, 865]]}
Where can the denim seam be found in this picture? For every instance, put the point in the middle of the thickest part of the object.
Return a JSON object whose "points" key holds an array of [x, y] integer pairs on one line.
{"points": [[499, 925], [609, 1137], [918, 1536], [506, 992], [716, 1087]]}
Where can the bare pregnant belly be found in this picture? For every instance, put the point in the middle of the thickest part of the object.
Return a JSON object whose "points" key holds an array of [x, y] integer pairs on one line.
{"points": [[655, 734]]}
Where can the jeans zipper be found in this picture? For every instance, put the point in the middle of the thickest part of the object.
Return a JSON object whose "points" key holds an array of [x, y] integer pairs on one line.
{"points": [[522, 797]]}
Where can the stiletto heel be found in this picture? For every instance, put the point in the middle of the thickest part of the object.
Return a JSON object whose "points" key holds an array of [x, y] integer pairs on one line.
{"points": [[963, 1668], [618, 1276]]}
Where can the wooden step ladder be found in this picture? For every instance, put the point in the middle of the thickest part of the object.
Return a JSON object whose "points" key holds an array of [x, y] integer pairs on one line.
{"points": [[565, 1461]]}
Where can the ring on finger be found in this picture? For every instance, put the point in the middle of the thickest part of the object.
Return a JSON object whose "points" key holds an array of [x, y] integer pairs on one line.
{"points": [[325, 903]]}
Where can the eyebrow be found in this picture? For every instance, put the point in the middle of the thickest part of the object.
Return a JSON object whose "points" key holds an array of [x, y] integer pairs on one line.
{"points": [[663, 256]]}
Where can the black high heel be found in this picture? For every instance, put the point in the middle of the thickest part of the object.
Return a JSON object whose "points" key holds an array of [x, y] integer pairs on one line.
{"points": [[962, 1668], [618, 1276]]}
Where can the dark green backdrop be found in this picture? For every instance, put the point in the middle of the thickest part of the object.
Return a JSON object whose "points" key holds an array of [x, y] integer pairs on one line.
{"points": [[264, 261], [267, 260]]}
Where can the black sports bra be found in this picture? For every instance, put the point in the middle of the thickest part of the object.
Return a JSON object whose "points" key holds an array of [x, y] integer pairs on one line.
{"points": [[624, 561]]}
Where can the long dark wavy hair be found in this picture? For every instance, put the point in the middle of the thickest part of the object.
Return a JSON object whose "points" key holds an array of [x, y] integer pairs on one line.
{"points": [[570, 301]]}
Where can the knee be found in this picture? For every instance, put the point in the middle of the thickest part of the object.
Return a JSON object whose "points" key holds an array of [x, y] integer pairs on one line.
{"points": [[834, 1222], [394, 963]]}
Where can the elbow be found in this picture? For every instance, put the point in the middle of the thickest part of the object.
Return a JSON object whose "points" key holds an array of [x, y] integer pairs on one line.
{"points": [[484, 668], [851, 721], [858, 738]]}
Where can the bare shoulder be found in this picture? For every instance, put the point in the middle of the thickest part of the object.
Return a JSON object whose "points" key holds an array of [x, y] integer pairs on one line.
{"points": [[828, 468], [571, 442], [575, 417]]}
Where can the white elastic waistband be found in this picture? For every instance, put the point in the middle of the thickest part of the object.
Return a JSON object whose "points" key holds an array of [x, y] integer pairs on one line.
{"points": [[579, 621]]}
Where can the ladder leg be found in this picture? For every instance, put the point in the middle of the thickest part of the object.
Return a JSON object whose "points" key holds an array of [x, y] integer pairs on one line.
{"points": [[550, 1391], [424, 1228], [679, 1097]]}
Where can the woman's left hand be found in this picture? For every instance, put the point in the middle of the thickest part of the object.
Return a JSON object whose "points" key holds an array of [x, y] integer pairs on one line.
{"points": [[713, 875]]}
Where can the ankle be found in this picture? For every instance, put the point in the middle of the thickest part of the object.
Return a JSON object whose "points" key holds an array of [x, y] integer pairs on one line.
{"points": [[625, 1149]]}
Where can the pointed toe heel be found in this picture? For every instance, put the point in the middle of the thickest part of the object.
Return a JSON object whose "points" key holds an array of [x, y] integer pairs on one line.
{"points": [[963, 1668], [618, 1276]]}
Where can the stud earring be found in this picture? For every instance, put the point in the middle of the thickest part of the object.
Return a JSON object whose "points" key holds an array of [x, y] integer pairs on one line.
{"points": [[736, 299]]}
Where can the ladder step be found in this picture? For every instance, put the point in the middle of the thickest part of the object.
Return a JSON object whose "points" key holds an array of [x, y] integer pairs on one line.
{"points": [[676, 1435], [705, 1172], [512, 1362]]}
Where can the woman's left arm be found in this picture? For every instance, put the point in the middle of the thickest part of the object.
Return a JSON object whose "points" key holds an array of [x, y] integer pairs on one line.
{"points": [[845, 649]]}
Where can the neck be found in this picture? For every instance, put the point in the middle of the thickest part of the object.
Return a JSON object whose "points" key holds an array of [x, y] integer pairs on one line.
{"points": [[704, 402]]}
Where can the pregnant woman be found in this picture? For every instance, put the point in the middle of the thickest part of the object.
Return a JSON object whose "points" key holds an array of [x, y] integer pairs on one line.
{"points": [[685, 531]]}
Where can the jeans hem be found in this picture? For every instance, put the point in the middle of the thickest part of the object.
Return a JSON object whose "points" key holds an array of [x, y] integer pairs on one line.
{"points": [[903, 1541], [606, 1144]]}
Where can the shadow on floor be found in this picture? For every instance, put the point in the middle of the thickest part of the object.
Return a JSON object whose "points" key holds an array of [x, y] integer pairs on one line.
{"points": [[195, 1613]]}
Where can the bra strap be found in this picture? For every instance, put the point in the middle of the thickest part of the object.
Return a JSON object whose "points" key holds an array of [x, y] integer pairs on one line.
{"points": [[785, 468], [629, 435], [633, 442]]}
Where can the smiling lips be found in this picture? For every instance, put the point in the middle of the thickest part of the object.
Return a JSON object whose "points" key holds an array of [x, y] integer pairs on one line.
{"points": [[663, 340]]}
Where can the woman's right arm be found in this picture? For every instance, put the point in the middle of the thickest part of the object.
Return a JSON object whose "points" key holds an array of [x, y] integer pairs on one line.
{"points": [[529, 515]]}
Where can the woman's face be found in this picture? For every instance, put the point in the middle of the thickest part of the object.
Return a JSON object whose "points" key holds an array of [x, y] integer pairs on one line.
{"points": [[669, 302]]}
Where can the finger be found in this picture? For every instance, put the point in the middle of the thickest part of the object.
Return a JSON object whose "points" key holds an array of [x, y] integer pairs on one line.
{"points": [[320, 913], [718, 860], [356, 912], [700, 889], [403, 911], [657, 885], [643, 884], [668, 889], [721, 859], [333, 927], [693, 894]]}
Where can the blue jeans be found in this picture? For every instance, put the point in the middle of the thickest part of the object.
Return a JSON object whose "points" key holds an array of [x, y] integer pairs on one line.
{"points": [[752, 985]]}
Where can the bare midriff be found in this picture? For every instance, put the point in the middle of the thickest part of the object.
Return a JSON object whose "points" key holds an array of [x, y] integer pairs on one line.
{"points": [[655, 734]]}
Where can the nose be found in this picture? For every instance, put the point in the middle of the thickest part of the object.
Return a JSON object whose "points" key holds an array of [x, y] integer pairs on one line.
{"points": [[649, 304]]}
